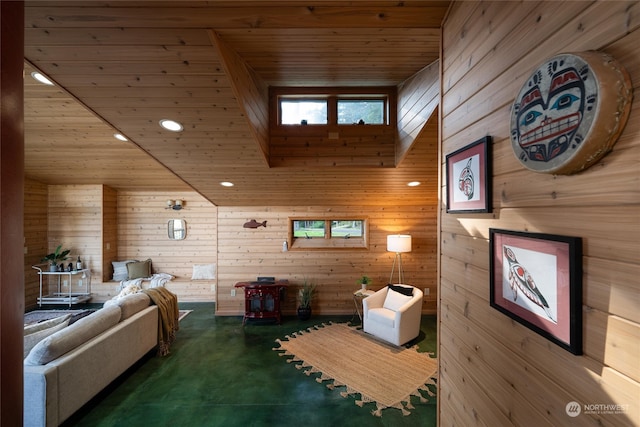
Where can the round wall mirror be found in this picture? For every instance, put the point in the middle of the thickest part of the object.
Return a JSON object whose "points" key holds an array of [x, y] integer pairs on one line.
{"points": [[177, 229]]}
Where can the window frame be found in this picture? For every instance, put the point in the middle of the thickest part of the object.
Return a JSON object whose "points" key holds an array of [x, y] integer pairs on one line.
{"points": [[299, 99], [364, 98], [328, 242], [387, 94]]}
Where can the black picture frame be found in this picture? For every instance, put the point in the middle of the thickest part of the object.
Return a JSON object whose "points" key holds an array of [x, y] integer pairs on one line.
{"points": [[536, 280], [468, 174]]}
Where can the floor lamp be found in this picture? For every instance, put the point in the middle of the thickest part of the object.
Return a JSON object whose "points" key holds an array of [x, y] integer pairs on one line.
{"points": [[398, 243]]}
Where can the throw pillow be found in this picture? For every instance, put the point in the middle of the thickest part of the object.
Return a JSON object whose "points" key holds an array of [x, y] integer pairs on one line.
{"points": [[74, 318], [402, 289], [395, 300], [139, 269], [72, 336], [203, 272], [34, 338], [131, 288], [120, 272], [46, 324]]}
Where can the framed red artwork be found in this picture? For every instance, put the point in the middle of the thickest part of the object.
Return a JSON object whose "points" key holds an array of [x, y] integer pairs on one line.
{"points": [[536, 279]]}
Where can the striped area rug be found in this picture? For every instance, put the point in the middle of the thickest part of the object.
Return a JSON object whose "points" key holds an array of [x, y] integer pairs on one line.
{"points": [[38, 316], [378, 372], [42, 315]]}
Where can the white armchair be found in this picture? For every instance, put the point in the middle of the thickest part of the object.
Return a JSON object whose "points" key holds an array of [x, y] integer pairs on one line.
{"points": [[392, 316]]}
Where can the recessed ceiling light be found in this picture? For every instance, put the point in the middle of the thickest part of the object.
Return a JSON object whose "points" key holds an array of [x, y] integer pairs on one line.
{"points": [[171, 125], [413, 183], [42, 79], [120, 137], [226, 184]]}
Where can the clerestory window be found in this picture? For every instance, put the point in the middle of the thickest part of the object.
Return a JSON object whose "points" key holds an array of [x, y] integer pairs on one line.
{"points": [[333, 106]]}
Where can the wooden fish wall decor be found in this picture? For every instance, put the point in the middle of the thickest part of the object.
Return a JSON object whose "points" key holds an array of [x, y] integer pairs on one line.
{"points": [[254, 224]]}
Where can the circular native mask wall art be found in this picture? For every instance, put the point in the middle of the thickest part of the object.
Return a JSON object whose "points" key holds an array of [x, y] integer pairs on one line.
{"points": [[570, 112]]}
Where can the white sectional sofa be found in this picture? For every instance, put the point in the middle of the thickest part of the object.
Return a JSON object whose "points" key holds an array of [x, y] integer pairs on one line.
{"points": [[68, 368]]}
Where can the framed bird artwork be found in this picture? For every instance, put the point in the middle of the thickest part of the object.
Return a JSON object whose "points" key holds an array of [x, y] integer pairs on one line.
{"points": [[536, 279]]}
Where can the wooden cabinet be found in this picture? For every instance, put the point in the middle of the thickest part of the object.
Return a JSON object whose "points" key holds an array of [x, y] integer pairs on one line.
{"points": [[262, 299]]}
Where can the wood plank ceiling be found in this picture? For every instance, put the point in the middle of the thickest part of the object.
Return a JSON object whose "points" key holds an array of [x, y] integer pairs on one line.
{"points": [[121, 66]]}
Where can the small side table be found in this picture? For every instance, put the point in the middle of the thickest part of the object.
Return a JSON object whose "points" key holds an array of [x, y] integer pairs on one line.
{"points": [[358, 296]]}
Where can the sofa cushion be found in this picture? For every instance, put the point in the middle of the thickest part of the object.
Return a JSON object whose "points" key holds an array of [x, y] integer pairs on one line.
{"points": [[35, 337], [382, 316], [395, 300], [130, 304], [46, 324], [139, 269], [72, 336]]}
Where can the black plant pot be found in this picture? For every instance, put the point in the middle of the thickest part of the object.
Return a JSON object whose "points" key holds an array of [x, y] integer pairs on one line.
{"points": [[304, 313]]}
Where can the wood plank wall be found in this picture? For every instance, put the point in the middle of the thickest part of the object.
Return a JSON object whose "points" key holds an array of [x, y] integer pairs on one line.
{"points": [[142, 234], [245, 254], [109, 231], [494, 371], [35, 236], [250, 90], [75, 221], [418, 98]]}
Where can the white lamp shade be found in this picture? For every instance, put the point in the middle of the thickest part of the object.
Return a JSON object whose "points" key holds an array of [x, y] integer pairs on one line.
{"points": [[399, 243]]}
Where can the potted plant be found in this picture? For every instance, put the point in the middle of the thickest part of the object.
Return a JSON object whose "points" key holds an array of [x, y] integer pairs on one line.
{"points": [[305, 295], [54, 258], [364, 281]]}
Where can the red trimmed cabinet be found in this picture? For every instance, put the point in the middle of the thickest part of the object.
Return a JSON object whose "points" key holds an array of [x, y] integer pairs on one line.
{"points": [[262, 299]]}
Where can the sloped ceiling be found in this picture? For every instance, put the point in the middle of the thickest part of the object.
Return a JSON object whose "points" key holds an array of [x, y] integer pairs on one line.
{"points": [[121, 66]]}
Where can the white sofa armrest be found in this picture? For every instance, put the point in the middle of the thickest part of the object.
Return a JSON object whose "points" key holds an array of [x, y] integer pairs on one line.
{"points": [[40, 395], [408, 317], [374, 301]]}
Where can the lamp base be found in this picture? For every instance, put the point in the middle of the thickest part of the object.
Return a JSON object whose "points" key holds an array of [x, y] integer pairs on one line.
{"points": [[397, 260]]}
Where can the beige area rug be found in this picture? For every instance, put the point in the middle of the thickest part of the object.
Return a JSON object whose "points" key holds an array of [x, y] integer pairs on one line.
{"points": [[379, 372]]}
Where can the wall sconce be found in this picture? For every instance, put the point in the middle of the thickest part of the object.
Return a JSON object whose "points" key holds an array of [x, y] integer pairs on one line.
{"points": [[176, 205], [398, 243]]}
